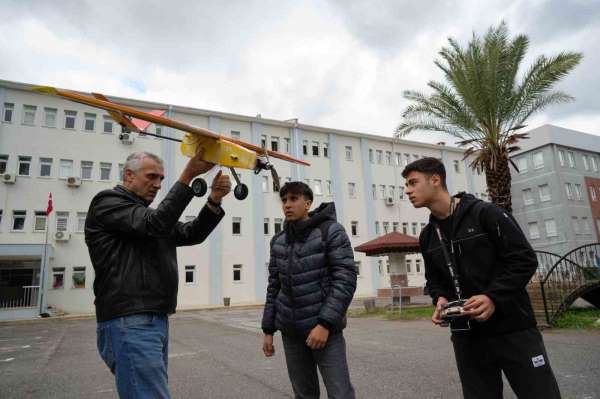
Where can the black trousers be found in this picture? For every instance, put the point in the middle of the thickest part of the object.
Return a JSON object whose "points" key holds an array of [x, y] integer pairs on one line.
{"points": [[302, 363], [520, 355]]}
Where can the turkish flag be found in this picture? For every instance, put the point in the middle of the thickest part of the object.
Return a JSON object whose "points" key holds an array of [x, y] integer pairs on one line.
{"points": [[49, 209]]}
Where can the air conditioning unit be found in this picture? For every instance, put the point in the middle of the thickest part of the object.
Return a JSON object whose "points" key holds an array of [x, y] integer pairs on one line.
{"points": [[126, 138], [9, 178], [390, 201], [73, 181], [62, 236]]}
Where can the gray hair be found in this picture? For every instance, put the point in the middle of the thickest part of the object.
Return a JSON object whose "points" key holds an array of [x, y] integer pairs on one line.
{"points": [[135, 159]]}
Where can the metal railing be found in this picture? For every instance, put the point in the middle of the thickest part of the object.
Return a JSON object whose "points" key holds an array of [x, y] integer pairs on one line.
{"points": [[570, 272], [24, 297]]}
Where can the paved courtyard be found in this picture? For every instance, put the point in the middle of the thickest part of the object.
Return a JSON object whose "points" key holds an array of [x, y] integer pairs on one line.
{"points": [[217, 354]]}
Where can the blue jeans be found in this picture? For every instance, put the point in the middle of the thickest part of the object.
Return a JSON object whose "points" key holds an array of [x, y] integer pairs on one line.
{"points": [[135, 348], [302, 363]]}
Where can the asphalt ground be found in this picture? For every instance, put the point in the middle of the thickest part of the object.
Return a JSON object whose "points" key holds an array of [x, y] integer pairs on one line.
{"points": [[217, 354]]}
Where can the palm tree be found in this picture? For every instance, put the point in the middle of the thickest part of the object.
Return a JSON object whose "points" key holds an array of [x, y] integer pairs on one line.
{"points": [[483, 105]]}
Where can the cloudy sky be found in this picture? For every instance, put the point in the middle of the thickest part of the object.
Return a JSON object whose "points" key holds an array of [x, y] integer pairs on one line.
{"points": [[340, 63]]}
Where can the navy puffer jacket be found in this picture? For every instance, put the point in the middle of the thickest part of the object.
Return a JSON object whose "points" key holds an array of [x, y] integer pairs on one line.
{"points": [[311, 280]]}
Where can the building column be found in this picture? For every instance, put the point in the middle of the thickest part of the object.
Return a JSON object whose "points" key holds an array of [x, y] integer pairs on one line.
{"points": [[336, 177], [215, 261], [369, 206], [449, 172], [258, 210]]}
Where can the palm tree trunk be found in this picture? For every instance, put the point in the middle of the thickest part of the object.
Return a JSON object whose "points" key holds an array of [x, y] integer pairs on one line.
{"points": [[498, 181]]}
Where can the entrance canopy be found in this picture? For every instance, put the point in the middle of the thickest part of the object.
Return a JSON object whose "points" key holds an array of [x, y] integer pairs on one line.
{"points": [[393, 242]]}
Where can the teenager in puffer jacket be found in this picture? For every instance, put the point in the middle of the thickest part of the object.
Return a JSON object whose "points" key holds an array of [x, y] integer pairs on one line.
{"points": [[312, 278]]}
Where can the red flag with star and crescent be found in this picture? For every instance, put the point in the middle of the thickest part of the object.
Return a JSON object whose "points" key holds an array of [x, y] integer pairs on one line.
{"points": [[49, 209]]}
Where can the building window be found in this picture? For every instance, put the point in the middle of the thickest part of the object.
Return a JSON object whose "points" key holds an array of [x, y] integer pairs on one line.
{"points": [[278, 226], [237, 272], [569, 190], [235, 135], [305, 147], [286, 140], [522, 165], [408, 265], [550, 228], [3, 162], [78, 277], [534, 231], [315, 148], [371, 158], [62, 221], [400, 192], [357, 267], [39, 224], [415, 157], [561, 157], [395, 226], [70, 118], [351, 190], [90, 122], [379, 156], [8, 112], [65, 168], [386, 227], [58, 278], [105, 168], [263, 141], [317, 187], [190, 274], [107, 125], [348, 153], [81, 216], [578, 192], [538, 160], [392, 193], [86, 169], [236, 226], [325, 150], [456, 166], [50, 117], [388, 157], [328, 187], [414, 227], [377, 228], [374, 191], [382, 191], [586, 165], [275, 143], [29, 114], [406, 159], [423, 225], [593, 193], [19, 220], [575, 222], [354, 228], [266, 226], [45, 167], [398, 159], [24, 165], [418, 265], [265, 184], [404, 228], [527, 196], [571, 158], [594, 164], [544, 193]]}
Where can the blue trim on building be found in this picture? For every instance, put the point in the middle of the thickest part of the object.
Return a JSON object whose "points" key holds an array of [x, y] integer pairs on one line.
{"points": [[258, 208], [336, 177], [367, 183], [449, 171], [470, 177], [215, 272], [297, 136]]}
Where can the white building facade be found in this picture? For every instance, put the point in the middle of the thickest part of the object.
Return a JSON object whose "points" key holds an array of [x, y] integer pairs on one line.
{"points": [[50, 145]]}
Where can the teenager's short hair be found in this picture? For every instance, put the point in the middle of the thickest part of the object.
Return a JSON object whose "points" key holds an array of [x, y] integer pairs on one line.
{"points": [[298, 188], [428, 166]]}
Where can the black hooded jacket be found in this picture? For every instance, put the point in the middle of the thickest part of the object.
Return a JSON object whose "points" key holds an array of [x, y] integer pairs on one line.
{"points": [[133, 249], [493, 258], [311, 280]]}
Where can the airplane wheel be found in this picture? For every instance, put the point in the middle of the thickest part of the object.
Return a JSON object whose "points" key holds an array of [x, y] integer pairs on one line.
{"points": [[240, 191], [199, 187]]}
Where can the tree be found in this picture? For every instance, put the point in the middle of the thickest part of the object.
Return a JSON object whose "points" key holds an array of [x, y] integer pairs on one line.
{"points": [[483, 105]]}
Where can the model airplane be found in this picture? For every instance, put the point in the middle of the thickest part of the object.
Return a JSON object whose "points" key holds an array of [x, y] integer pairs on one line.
{"points": [[220, 150]]}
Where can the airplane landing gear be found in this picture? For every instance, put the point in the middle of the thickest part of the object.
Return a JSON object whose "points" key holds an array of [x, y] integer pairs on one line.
{"points": [[199, 187], [240, 191]]}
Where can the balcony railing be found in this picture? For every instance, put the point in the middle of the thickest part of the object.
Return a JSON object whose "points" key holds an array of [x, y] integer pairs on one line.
{"points": [[21, 297]]}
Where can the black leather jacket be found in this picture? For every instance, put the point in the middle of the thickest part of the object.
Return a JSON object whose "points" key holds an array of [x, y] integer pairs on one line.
{"points": [[133, 249]]}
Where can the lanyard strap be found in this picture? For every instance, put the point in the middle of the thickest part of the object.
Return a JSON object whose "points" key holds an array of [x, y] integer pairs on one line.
{"points": [[449, 264]]}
